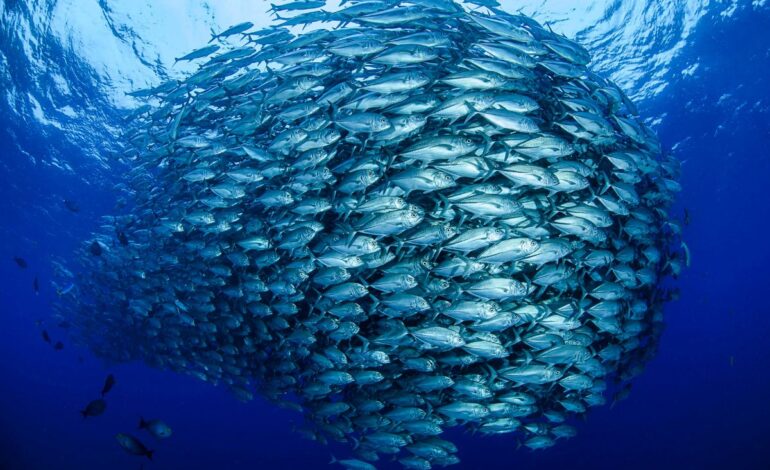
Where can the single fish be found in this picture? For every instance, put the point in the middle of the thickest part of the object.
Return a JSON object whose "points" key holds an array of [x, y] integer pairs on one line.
{"points": [[109, 382], [94, 408], [133, 445], [156, 427]]}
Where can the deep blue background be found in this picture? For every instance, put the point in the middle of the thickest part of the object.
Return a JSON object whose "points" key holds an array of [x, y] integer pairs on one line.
{"points": [[694, 407]]}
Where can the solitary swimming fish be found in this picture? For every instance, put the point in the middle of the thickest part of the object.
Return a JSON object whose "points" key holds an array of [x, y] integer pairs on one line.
{"points": [[94, 408], [156, 427], [133, 445], [109, 382]]}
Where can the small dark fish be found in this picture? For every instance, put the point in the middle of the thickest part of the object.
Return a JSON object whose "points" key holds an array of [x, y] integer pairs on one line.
{"points": [[95, 248], [71, 205], [122, 238], [686, 216], [36, 286], [109, 382], [133, 445], [94, 408], [46, 338], [63, 324], [20, 262], [156, 427], [58, 346]]}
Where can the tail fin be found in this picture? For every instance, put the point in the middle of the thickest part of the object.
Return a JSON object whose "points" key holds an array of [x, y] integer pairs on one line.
{"points": [[149, 453], [142, 423]]}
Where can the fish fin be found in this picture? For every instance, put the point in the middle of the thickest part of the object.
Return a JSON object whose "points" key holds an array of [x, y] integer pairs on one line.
{"points": [[474, 112], [142, 423], [463, 216], [492, 373], [606, 187], [399, 242], [528, 357], [149, 453], [529, 283]]}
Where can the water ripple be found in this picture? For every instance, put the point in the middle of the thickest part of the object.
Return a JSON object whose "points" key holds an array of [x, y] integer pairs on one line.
{"points": [[65, 65]]}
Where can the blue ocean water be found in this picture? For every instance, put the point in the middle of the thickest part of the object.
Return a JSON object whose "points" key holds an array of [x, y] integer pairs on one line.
{"points": [[698, 70]]}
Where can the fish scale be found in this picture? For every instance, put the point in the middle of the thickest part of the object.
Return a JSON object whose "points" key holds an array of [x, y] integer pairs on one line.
{"points": [[409, 222]]}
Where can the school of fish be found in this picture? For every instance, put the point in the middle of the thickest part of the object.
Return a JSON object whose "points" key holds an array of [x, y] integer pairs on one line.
{"points": [[395, 217]]}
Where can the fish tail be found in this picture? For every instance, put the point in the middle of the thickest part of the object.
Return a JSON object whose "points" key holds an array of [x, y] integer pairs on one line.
{"points": [[516, 337], [142, 423], [528, 357], [606, 187], [492, 373], [149, 453]]}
